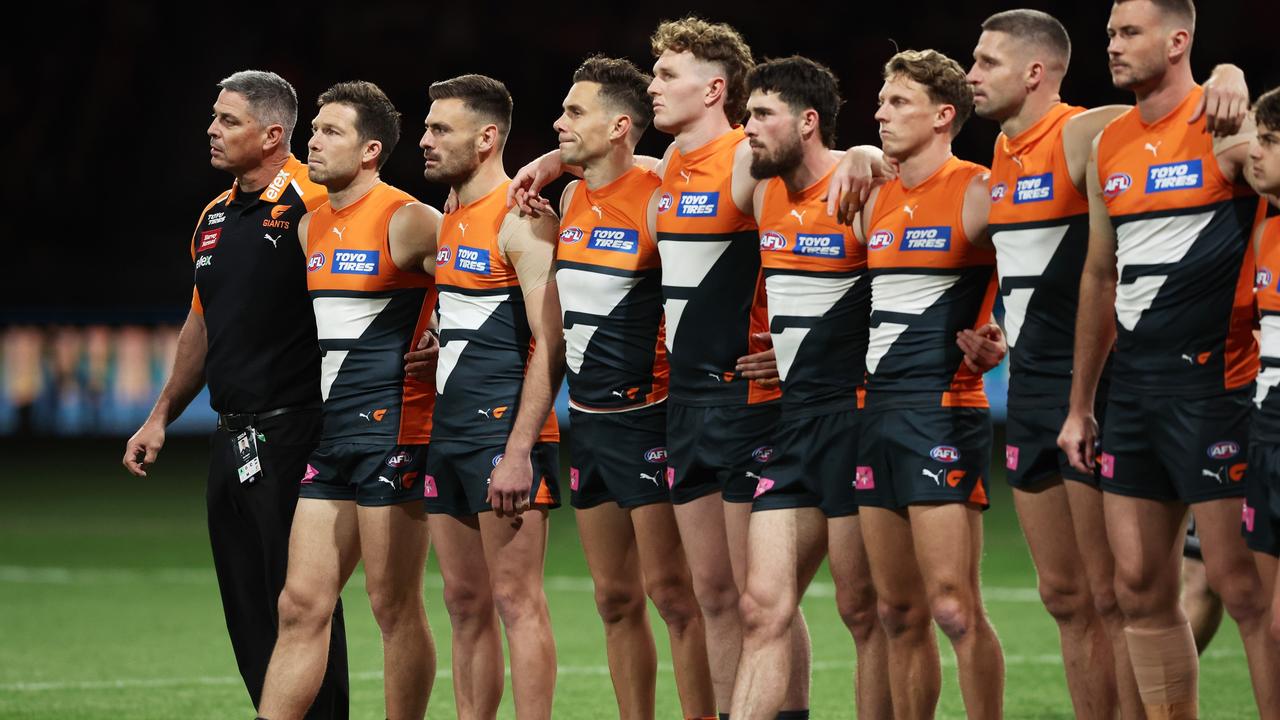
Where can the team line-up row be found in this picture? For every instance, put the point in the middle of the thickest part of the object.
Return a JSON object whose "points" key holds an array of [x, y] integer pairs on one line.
{"points": [[774, 353]]}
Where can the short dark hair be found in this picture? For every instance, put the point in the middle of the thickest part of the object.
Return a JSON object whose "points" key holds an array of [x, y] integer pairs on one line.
{"points": [[272, 100], [802, 84], [1034, 27], [717, 43], [623, 86], [482, 95], [1267, 110], [1181, 9], [376, 118], [942, 77]]}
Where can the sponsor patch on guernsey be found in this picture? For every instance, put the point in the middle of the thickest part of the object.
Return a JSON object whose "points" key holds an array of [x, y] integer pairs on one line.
{"points": [[830, 245], [1033, 188], [624, 240], [704, 204], [1175, 176], [354, 262], [927, 238], [472, 260]]}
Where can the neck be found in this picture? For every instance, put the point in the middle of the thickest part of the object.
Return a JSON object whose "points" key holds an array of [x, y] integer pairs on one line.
{"points": [[1036, 106], [481, 182], [359, 186], [918, 166], [611, 166], [1165, 94], [256, 178], [817, 162], [703, 130]]}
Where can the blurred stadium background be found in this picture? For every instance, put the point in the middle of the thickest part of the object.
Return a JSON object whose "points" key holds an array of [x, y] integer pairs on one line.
{"points": [[108, 606]]}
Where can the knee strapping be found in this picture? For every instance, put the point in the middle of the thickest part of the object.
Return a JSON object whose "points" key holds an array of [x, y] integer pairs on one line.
{"points": [[1167, 670]]}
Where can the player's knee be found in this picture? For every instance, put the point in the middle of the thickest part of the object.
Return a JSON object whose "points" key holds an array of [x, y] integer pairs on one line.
{"points": [[392, 607], [1241, 591], [300, 607], [954, 614], [765, 614], [857, 608], [618, 601], [467, 605], [1064, 599], [674, 601], [1138, 596], [517, 603], [902, 618], [1105, 603], [717, 599]]}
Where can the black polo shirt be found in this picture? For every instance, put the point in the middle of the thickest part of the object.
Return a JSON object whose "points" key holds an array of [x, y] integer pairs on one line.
{"points": [[251, 287]]}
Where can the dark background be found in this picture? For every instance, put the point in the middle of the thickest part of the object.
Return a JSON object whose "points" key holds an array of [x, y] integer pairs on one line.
{"points": [[107, 104]]}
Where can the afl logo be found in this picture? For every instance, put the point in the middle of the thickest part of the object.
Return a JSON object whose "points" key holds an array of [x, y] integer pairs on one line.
{"points": [[762, 453], [880, 240], [664, 202], [315, 262], [497, 459], [772, 241], [571, 235], [1262, 279], [399, 460], [656, 455], [998, 191], [1116, 183], [443, 255], [1223, 450], [945, 453]]}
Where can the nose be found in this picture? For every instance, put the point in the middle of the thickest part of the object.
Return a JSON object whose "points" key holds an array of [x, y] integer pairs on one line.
{"points": [[653, 88], [882, 113], [559, 125], [972, 75], [425, 141], [212, 130]]}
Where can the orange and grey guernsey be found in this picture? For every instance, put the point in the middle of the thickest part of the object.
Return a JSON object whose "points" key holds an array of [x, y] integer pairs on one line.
{"points": [[369, 313], [609, 278], [713, 291], [928, 282], [251, 288], [1039, 223], [1265, 425], [1184, 301], [815, 272], [485, 338]]}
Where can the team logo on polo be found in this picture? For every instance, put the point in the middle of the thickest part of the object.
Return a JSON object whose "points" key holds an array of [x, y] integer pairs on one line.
{"points": [[1262, 279], [936, 238], [773, 241], [998, 191], [656, 455], [1223, 450], [443, 255], [624, 240], [830, 245], [472, 260], [880, 240], [209, 240], [762, 453], [1033, 188], [1116, 183], [692, 204], [354, 262], [1175, 176], [315, 262], [664, 202], [571, 235], [945, 453]]}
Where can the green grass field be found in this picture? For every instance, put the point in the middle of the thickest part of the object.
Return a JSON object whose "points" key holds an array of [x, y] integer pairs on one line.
{"points": [[109, 609]]}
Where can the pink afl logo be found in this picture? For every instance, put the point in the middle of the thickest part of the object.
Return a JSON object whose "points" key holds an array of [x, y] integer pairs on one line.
{"points": [[571, 235], [1011, 457], [664, 202], [880, 240], [315, 262], [1116, 183], [1262, 279], [997, 192], [772, 241], [864, 478], [443, 255], [573, 478]]}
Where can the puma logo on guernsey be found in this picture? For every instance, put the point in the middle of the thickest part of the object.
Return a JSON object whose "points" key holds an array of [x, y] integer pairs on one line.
{"points": [[493, 413], [599, 213], [686, 175], [375, 415], [937, 476], [1016, 160], [799, 216], [910, 211], [618, 393], [274, 240], [462, 227], [1153, 148], [338, 232], [653, 478], [1200, 359]]}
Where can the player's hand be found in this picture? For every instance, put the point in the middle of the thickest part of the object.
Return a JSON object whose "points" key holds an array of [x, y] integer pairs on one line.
{"points": [[983, 348], [1079, 433], [761, 367], [1225, 101], [532, 178], [852, 181], [420, 363], [509, 485], [141, 450], [451, 203], [534, 205]]}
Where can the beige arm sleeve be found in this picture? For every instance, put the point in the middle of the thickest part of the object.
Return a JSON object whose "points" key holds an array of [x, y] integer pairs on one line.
{"points": [[529, 243]]}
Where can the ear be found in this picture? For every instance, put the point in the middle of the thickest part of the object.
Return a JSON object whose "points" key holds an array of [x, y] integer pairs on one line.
{"points": [[272, 137], [1035, 75], [1179, 44], [716, 89], [372, 149], [488, 138], [620, 128], [810, 122], [946, 115]]}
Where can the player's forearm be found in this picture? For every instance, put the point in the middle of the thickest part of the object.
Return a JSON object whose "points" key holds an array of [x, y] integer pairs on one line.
{"points": [[541, 382], [187, 376], [1095, 333]]}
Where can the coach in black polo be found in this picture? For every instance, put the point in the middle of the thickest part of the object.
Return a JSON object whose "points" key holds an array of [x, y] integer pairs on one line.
{"points": [[251, 335]]}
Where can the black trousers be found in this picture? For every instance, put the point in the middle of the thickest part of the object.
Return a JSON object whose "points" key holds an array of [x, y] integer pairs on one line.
{"points": [[249, 531]]}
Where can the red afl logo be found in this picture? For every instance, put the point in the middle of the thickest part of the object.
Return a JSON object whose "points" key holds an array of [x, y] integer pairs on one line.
{"points": [[664, 202], [945, 453], [1223, 450], [1116, 183], [315, 262], [997, 192], [571, 235], [772, 241], [880, 239], [1262, 279], [443, 255]]}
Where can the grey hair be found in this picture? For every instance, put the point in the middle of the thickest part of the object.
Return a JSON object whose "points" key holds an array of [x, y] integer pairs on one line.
{"points": [[272, 100]]}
